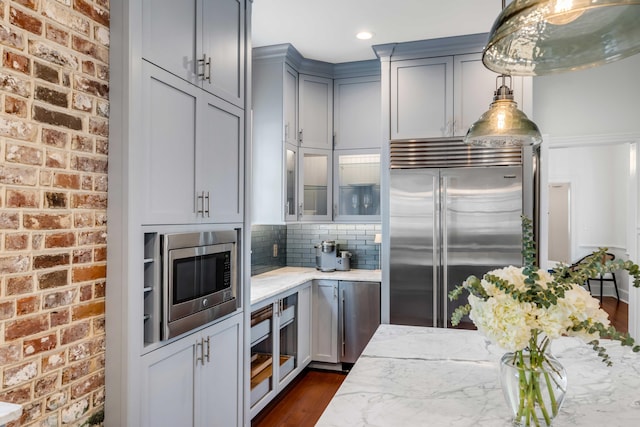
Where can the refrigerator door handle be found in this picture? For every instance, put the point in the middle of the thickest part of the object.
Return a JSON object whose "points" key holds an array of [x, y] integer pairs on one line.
{"points": [[445, 250], [342, 321]]}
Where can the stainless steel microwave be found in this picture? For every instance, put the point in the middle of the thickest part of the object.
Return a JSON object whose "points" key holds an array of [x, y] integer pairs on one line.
{"points": [[199, 279]]}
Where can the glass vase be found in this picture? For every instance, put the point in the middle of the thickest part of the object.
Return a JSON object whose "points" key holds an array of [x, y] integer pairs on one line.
{"points": [[534, 387]]}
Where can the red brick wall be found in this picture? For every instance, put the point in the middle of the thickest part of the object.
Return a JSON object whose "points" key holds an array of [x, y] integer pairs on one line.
{"points": [[54, 112]]}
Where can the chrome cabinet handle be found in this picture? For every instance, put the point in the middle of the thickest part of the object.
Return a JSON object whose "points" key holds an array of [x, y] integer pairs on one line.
{"points": [[208, 355], [206, 65]]}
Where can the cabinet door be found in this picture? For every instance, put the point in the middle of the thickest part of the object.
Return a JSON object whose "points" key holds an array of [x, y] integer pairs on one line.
{"points": [[219, 376], [357, 113], [315, 188], [220, 160], [291, 182], [315, 112], [223, 29], [169, 36], [422, 98], [168, 385], [356, 185], [169, 143], [290, 105], [304, 327], [325, 321]]}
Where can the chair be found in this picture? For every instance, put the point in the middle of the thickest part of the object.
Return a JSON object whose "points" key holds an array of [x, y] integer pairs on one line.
{"points": [[607, 257]]}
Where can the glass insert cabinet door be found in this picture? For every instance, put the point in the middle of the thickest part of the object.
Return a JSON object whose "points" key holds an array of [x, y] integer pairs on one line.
{"points": [[315, 191], [357, 186]]}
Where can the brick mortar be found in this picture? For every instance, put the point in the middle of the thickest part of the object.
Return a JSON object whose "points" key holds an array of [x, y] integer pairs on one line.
{"points": [[45, 167]]}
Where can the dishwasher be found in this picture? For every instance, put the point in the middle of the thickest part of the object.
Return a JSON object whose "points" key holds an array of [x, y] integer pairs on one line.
{"points": [[358, 317]]}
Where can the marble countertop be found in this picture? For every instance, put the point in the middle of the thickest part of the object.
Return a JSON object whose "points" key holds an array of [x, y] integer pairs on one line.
{"points": [[9, 412], [416, 376], [267, 285]]}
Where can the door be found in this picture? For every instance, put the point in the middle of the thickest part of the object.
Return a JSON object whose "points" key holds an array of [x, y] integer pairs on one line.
{"points": [[422, 98], [413, 255], [223, 44], [359, 317], [481, 225], [169, 36], [315, 112], [220, 165], [169, 144]]}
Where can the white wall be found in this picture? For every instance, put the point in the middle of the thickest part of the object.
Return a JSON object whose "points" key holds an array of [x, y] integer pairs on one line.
{"points": [[595, 104]]}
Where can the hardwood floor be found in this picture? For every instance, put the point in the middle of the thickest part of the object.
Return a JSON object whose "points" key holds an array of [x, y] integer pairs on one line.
{"points": [[301, 404]]}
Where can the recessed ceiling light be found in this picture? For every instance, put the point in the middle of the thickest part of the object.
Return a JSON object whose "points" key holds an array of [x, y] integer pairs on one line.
{"points": [[364, 35]]}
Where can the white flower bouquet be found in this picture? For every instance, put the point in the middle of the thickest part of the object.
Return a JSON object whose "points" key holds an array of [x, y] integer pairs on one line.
{"points": [[522, 308]]}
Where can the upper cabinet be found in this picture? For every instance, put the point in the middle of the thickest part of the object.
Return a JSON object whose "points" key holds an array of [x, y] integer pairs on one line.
{"points": [[443, 96], [315, 114], [356, 113], [193, 164], [200, 41]]}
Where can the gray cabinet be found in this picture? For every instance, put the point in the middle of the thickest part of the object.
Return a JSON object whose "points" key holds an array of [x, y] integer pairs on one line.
{"points": [[357, 113], [325, 321], [195, 381], [200, 41], [280, 344], [442, 96], [193, 168], [315, 112]]}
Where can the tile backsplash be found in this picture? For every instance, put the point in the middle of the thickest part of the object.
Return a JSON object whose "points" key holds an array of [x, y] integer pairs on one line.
{"points": [[263, 239], [296, 244]]}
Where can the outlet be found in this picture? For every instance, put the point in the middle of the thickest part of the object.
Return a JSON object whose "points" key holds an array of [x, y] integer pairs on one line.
{"points": [[275, 250]]}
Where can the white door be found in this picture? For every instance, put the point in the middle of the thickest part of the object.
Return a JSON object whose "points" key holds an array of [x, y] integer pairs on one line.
{"points": [[325, 321], [315, 112], [422, 98], [169, 36], [357, 113], [223, 44], [169, 143], [220, 160]]}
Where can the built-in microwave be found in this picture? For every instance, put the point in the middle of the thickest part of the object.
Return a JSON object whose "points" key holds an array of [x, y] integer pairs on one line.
{"points": [[199, 279]]}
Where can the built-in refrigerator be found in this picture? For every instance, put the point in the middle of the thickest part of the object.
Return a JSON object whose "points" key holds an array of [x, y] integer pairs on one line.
{"points": [[449, 222]]}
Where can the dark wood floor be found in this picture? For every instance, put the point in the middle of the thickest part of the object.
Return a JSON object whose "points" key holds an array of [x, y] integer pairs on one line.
{"points": [[303, 401]]}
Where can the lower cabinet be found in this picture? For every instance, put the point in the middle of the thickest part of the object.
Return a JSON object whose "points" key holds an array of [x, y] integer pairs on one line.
{"points": [[324, 324], [197, 380], [280, 344]]}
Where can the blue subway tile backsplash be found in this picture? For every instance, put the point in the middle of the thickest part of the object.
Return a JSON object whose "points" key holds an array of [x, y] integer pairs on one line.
{"points": [[296, 244]]}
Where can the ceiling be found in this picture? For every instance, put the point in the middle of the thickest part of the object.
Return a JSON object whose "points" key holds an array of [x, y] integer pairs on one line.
{"points": [[325, 30]]}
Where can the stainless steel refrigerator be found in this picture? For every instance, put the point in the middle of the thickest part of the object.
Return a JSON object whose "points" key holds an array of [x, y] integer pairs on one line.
{"points": [[447, 223]]}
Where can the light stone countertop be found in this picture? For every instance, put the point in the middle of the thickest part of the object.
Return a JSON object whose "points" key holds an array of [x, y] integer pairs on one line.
{"points": [[9, 412], [416, 376], [272, 283]]}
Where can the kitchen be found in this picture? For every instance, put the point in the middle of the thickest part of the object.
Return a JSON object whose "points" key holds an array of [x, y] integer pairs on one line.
{"points": [[572, 110]]}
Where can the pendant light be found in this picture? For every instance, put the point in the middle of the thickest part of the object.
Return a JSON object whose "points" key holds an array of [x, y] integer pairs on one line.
{"points": [[541, 37], [503, 125]]}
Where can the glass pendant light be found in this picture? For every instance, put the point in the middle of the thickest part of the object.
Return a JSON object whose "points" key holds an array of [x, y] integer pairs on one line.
{"points": [[541, 37], [503, 125]]}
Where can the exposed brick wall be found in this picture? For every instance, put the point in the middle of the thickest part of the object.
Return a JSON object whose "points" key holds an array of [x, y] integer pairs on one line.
{"points": [[54, 108]]}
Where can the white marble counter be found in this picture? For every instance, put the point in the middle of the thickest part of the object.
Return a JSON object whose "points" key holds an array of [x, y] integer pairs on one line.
{"points": [[272, 283], [415, 376], [9, 412]]}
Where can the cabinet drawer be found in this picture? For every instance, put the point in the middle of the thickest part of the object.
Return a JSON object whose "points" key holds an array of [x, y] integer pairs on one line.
{"points": [[287, 316]]}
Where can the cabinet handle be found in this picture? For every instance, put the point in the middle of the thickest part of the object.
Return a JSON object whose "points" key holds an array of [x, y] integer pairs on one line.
{"points": [[200, 203], [206, 66], [300, 134], [208, 356], [201, 357]]}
